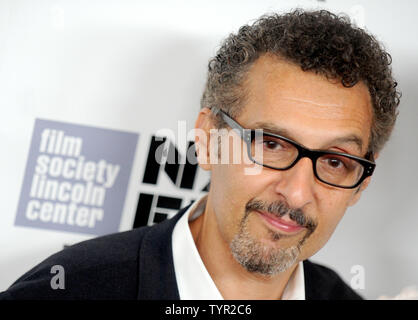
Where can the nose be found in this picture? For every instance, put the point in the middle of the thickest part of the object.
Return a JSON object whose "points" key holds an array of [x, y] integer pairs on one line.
{"points": [[296, 184]]}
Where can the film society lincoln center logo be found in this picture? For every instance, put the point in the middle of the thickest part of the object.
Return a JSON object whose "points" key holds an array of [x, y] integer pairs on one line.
{"points": [[76, 178]]}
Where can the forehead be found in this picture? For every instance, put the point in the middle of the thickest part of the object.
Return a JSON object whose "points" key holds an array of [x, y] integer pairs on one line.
{"points": [[313, 108]]}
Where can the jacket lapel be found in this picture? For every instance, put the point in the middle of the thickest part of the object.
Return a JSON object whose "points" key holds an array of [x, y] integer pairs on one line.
{"points": [[157, 279]]}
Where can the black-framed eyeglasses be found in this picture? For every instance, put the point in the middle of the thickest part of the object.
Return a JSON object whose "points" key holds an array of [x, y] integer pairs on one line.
{"points": [[277, 152]]}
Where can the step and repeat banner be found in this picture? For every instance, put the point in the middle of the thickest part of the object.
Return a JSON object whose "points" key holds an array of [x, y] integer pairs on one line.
{"points": [[94, 98]]}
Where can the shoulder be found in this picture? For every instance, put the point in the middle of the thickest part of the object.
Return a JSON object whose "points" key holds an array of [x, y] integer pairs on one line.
{"points": [[107, 267], [322, 283], [102, 268]]}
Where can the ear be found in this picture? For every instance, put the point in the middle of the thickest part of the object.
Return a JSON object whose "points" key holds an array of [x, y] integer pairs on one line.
{"points": [[202, 128], [361, 188]]}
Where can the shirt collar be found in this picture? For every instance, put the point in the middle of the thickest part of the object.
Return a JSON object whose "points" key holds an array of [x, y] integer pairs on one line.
{"points": [[194, 281]]}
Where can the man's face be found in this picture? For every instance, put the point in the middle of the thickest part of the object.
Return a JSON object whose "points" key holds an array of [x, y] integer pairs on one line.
{"points": [[253, 212]]}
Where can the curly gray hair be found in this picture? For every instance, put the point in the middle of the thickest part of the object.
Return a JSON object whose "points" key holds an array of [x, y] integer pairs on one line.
{"points": [[318, 41]]}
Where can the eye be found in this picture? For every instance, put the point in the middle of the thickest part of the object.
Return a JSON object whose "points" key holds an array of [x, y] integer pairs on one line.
{"points": [[272, 145], [335, 163]]}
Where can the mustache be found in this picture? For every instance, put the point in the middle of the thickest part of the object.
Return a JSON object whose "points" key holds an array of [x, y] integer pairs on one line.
{"points": [[279, 209]]}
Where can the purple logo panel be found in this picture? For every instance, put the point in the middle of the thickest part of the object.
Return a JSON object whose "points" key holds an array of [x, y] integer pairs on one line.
{"points": [[76, 178]]}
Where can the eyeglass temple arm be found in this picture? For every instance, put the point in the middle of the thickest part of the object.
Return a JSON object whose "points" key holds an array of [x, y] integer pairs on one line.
{"points": [[231, 122]]}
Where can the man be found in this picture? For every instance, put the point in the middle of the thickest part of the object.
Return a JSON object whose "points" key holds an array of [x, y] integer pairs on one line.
{"points": [[323, 94]]}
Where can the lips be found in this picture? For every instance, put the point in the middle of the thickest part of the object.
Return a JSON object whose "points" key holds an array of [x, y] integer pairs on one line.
{"points": [[283, 224]]}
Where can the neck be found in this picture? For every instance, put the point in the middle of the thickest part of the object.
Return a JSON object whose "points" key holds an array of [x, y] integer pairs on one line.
{"points": [[231, 279]]}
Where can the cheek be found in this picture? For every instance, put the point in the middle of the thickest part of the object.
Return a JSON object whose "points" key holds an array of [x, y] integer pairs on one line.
{"points": [[330, 210], [231, 190], [226, 194]]}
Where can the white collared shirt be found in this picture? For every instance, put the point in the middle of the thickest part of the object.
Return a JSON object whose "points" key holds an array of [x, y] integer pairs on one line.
{"points": [[194, 281]]}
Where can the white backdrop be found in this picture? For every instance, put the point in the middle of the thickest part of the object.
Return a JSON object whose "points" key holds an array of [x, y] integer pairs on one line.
{"points": [[139, 66]]}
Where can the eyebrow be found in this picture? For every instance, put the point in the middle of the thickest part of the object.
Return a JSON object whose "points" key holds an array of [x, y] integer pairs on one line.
{"points": [[272, 128]]}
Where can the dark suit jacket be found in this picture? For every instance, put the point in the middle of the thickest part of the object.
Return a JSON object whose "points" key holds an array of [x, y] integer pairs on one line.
{"points": [[137, 264]]}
